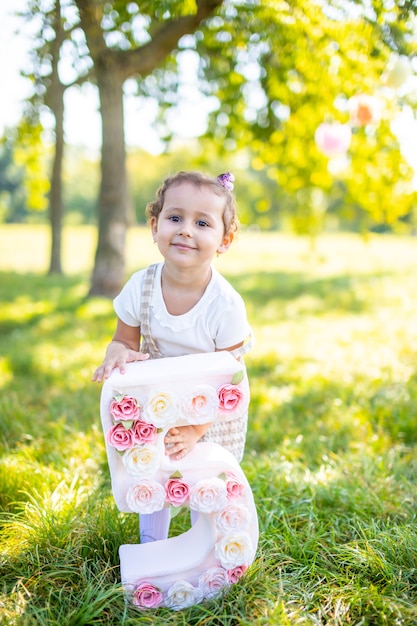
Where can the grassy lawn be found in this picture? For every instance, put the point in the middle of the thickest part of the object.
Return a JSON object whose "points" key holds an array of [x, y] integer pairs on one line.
{"points": [[331, 449]]}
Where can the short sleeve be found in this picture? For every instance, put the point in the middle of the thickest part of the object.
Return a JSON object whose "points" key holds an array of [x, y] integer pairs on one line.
{"points": [[127, 303], [232, 325]]}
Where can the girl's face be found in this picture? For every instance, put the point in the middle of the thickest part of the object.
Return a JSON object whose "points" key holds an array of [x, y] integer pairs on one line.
{"points": [[189, 230]]}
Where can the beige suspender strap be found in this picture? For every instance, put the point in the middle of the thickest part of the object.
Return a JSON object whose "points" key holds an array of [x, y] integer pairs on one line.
{"points": [[242, 350], [149, 344]]}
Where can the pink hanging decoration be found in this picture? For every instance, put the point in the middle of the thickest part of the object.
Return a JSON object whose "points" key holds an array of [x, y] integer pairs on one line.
{"points": [[364, 109], [333, 138]]}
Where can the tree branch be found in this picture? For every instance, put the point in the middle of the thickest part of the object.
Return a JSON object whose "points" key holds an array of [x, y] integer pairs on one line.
{"points": [[146, 58]]}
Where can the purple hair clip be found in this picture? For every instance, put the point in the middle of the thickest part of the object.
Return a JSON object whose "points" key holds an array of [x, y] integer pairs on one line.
{"points": [[226, 180]]}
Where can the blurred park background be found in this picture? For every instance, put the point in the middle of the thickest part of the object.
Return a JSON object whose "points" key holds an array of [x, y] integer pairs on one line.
{"points": [[312, 105]]}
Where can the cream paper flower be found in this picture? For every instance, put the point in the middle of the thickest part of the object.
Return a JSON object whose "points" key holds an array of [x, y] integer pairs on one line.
{"points": [[233, 550], [141, 461], [181, 595], [161, 410]]}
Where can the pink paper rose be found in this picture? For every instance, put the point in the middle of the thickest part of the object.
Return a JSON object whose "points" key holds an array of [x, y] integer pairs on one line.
{"points": [[200, 406], [230, 396], [232, 519], [235, 489], [146, 596], [213, 581], [177, 491], [146, 497], [125, 408], [236, 573], [119, 437], [208, 495], [143, 432]]}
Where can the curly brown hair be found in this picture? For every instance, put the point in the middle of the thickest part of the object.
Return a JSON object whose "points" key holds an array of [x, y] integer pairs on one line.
{"points": [[230, 219]]}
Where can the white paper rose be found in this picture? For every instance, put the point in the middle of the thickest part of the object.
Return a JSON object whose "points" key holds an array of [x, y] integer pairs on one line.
{"points": [[200, 405], [209, 495], [146, 497], [181, 595], [235, 549], [141, 461], [233, 518], [213, 581], [161, 410]]}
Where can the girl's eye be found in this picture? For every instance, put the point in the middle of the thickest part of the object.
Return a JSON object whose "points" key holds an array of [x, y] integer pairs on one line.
{"points": [[202, 223], [174, 218]]}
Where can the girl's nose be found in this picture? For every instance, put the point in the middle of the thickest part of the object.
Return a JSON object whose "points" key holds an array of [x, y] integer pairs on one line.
{"points": [[185, 229]]}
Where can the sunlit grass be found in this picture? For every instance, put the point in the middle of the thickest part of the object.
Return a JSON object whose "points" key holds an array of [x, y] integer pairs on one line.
{"points": [[331, 447]]}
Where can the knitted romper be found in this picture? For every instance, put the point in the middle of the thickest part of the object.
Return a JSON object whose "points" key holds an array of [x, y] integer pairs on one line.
{"points": [[231, 434]]}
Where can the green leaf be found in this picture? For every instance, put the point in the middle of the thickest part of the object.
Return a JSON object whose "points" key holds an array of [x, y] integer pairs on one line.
{"points": [[174, 510], [238, 377], [223, 476], [176, 474], [127, 424]]}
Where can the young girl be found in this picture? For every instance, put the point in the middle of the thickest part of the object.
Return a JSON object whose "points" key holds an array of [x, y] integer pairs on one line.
{"points": [[183, 305]]}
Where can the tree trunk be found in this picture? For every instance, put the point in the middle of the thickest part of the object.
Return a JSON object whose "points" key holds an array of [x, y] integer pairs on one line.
{"points": [[55, 194], [108, 274], [112, 67]]}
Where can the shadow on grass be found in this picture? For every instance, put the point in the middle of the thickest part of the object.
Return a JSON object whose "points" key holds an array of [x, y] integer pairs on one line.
{"points": [[268, 292]]}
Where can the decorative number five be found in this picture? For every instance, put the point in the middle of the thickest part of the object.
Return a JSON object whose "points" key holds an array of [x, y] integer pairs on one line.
{"points": [[137, 408]]}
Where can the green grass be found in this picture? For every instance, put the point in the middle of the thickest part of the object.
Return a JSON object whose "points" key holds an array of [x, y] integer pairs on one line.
{"points": [[331, 449]]}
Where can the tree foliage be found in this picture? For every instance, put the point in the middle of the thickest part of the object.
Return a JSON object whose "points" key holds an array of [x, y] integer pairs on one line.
{"points": [[274, 70], [301, 64]]}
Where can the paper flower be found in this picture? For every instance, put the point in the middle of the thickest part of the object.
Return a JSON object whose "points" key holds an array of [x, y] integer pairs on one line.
{"points": [[143, 432], [364, 110], [146, 596], [177, 491], [141, 461], [233, 518], [125, 408], [119, 437], [333, 138], [234, 550], [230, 396], [236, 573], [146, 497], [208, 496], [234, 488], [161, 410], [182, 594], [213, 582], [200, 406]]}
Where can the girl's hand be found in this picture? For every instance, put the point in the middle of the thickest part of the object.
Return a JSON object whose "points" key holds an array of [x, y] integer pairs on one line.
{"points": [[117, 355], [180, 440]]}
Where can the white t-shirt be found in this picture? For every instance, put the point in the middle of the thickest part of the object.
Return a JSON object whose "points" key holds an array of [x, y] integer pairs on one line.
{"points": [[217, 321]]}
